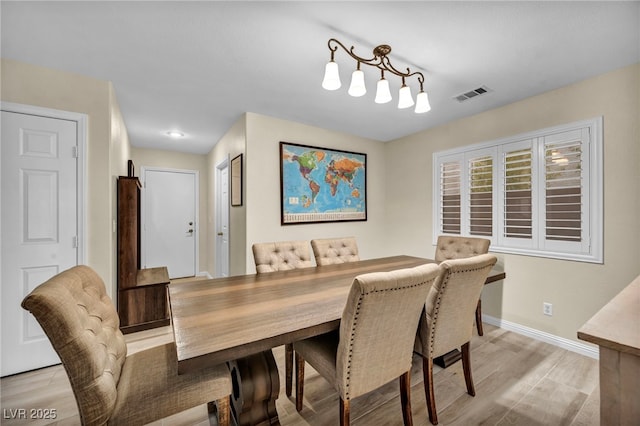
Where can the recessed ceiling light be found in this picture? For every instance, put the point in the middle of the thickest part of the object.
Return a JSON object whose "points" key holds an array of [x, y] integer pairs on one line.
{"points": [[175, 134]]}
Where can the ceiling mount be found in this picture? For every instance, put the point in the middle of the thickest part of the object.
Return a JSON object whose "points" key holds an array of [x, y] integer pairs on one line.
{"points": [[381, 61], [382, 50]]}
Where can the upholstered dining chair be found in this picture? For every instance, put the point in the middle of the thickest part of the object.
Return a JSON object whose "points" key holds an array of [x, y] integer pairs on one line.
{"points": [[376, 337], [110, 386], [448, 320], [329, 251], [282, 256], [453, 247]]}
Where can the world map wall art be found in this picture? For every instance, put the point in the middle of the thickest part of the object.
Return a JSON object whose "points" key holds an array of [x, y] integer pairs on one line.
{"points": [[321, 185]]}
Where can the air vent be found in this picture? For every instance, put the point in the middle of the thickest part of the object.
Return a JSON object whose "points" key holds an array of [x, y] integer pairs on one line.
{"points": [[472, 93]]}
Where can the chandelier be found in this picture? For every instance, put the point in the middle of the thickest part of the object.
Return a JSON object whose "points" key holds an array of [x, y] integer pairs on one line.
{"points": [[381, 61]]}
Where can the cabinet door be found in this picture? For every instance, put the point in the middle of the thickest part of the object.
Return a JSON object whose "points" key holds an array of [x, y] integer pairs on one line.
{"points": [[128, 240]]}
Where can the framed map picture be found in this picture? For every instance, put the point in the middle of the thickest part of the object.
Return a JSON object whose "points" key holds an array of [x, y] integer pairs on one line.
{"points": [[321, 185], [236, 181]]}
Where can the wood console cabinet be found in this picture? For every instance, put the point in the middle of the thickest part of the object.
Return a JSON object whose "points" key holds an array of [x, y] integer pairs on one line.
{"points": [[142, 293]]}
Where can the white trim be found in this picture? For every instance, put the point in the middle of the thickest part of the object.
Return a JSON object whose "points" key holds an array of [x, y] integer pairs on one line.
{"points": [[82, 130], [205, 274], [218, 194], [581, 348]]}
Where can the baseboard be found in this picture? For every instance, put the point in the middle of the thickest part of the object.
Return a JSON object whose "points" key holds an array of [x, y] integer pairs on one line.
{"points": [[570, 345], [205, 274]]}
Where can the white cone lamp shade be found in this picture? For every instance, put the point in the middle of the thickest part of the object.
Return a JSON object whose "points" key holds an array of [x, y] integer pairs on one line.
{"points": [[422, 103], [383, 94], [357, 87], [331, 79], [405, 100]]}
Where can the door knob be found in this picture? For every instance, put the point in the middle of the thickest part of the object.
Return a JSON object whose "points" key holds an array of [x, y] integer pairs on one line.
{"points": [[220, 234]]}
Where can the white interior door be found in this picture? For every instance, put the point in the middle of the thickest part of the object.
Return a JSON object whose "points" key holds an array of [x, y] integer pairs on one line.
{"points": [[222, 220], [39, 227], [170, 220]]}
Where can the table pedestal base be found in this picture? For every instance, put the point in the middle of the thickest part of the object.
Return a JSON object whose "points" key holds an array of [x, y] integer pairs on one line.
{"points": [[447, 359], [256, 386]]}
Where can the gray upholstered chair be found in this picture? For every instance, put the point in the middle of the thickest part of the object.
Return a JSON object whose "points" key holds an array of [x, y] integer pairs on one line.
{"points": [[448, 323], [110, 386], [329, 251], [282, 256], [452, 247], [376, 337]]}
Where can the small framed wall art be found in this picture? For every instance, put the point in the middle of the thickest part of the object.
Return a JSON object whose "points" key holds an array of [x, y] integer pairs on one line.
{"points": [[236, 181]]}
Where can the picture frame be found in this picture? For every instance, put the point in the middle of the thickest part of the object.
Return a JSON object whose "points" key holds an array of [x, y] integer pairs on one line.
{"points": [[321, 184], [236, 181]]}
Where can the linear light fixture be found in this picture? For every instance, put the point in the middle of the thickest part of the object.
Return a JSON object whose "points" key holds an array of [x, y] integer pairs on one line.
{"points": [[381, 61]]}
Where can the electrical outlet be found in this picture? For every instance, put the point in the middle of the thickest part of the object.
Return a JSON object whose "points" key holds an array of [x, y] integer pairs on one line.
{"points": [[547, 308]]}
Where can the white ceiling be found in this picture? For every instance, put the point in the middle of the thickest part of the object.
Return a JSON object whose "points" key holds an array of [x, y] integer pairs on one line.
{"points": [[198, 66]]}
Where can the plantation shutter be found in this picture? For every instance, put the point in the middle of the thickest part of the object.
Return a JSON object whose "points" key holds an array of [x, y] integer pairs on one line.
{"points": [[518, 194], [481, 196], [450, 201], [537, 194], [565, 184]]}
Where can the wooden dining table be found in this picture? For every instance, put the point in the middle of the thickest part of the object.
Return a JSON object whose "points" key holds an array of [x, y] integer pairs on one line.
{"points": [[239, 319]]}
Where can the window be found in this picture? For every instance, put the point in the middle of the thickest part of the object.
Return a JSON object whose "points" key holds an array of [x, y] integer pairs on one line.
{"points": [[537, 194]]}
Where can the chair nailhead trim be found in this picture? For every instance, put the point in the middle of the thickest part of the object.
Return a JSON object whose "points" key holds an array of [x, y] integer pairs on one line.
{"points": [[355, 321]]}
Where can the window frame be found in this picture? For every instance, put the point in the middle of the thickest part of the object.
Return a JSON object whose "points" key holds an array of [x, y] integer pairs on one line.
{"points": [[590, 247]]}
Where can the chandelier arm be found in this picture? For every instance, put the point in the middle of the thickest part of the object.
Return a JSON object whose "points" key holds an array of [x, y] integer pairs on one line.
{"points": [[385, 64], [350, 53]]}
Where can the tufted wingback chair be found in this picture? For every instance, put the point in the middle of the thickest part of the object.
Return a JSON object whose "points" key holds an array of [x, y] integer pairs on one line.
{"points": [[452, 247], [375, 341], [329, 251], [448, 323], [281, 256], [110, 387]]}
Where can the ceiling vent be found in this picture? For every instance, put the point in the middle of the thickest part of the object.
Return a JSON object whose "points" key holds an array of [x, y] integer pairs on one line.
{"points": [[472, 93]]}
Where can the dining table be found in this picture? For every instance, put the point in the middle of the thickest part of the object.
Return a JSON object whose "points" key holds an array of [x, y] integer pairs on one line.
{"points": [[238, 320]]}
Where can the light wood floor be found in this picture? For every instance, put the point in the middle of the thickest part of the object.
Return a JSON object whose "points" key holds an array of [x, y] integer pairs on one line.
{"points": [[519, 381]]}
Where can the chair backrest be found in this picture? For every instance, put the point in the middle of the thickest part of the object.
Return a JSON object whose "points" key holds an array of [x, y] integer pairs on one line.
{"points": [[451, 304], [281, 256], [329, 251], [451, 247], [82, 324], [378, 327]]}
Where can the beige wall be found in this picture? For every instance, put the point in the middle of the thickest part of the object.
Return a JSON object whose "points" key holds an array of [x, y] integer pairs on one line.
{"points": [[263, 193], [229, 146], [120, 149], [33, 85], [577, 290], [143, 157]]}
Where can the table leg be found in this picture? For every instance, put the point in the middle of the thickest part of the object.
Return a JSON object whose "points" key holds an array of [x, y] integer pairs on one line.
{"points": [[256, 386]]}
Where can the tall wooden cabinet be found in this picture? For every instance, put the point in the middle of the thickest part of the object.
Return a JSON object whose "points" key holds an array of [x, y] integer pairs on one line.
{"points": [[142, 293]]}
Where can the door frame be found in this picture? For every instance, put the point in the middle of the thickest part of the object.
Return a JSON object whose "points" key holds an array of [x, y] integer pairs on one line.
{"points": [[218, 194], [143, 201], [81, 121]]}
